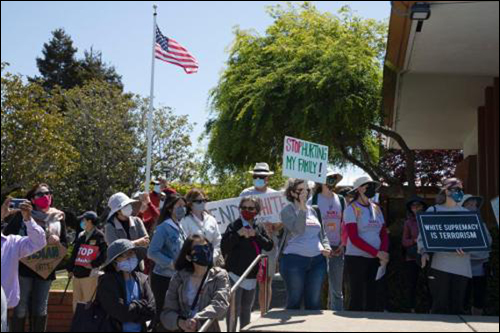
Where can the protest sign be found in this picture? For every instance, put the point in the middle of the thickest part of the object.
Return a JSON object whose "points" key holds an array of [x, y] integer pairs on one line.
{"points": [[450, 231], [305, 160], [86, 254], [227, 211], [45, 261]]}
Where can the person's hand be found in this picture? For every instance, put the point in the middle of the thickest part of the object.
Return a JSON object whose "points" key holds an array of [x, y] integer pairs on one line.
{"points": [[383, 256], [326, 253], [243, 232], [144, 241], [53, 239], [269, 228], [70, 275], [425, 258], [144, 198], [338, 252], [461, 253], [26, 209], [192, 325], [303, 200], [183, 325], [251, 233], [384, 262]]}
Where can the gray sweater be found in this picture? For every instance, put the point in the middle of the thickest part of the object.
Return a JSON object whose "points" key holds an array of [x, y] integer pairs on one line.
{"points": [[295, 226]]}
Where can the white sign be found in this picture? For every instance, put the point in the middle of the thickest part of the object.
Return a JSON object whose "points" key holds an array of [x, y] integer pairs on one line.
{"points": [[494, 205], [227, 211], [305, 160]]}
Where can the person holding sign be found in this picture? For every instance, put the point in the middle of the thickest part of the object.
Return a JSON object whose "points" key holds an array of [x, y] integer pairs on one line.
{"points": [[260, 175], [37, 271], [89, 252], [305, 248], [480, 262], [332, 206], [450, 272], [243, 241], [14, 247], [367, 245]]}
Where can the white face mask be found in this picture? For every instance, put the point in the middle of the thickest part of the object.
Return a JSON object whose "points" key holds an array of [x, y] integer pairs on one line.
{"points": [[127, 210]]}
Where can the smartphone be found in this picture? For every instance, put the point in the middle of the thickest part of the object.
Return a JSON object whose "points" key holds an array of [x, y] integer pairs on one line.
{"points": [[15, 203]]}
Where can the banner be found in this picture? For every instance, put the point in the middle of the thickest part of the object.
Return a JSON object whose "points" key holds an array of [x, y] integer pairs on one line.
{"points": [[227, 211], [450, 231], [45, 261], [86, 254], [305, 160]]}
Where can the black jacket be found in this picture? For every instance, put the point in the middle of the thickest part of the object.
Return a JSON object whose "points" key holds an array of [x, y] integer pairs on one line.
{"points": [[15, 226], [239, 252], [111, 295], [96, 239]]}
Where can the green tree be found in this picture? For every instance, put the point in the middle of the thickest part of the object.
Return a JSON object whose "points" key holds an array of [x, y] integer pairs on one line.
{"points": [[312, 75], [34, 136]]}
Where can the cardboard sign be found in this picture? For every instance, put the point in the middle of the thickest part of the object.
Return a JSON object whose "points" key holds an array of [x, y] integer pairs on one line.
{"points": [[45, 261], [305, 160], [86, 254], [450, 231], [227, 211], [494, 206]]}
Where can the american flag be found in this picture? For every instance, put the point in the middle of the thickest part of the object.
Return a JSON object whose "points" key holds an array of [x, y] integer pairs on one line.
{"points": [[170, 51]]}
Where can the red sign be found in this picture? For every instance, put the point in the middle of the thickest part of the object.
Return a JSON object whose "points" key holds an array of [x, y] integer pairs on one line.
{"points": [[86, 254]]}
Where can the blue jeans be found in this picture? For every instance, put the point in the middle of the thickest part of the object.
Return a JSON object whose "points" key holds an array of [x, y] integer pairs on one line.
{"points": [[335, 283], [303, 278], [34, 290]]}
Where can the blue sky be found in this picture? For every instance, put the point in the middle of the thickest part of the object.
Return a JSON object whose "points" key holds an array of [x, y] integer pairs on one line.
{"points": [[123, 32]]}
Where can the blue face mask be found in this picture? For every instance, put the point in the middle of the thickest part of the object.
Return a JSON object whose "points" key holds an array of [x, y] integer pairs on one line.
{"points": [[259, 183], [203, 255], [457, 195], [83, 225], [128, 265]]}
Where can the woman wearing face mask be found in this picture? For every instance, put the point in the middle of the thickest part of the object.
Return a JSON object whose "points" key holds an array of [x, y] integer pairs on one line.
{"points": [[367, 245], [409, 242], [89, 253], [480, 262], [198, 291], [242, 242], [305, 248], [165, 247], [260, 175], [122, 222], [450, 272], [34, 288], [199, 222], [124, 292]]}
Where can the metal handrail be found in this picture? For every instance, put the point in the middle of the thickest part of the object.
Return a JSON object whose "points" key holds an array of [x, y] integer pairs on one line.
{"points": [[232, 308]]}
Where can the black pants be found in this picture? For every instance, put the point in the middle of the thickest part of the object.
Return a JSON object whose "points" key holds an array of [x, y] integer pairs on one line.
{"points": [[448, 292], [159, 286], [412, 272], [361, 275], [476, 290]]}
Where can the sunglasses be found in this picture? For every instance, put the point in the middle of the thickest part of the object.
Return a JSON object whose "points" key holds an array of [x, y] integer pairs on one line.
{"points": [[248, 208], [259, 177], [200, 201], [41, 194]]}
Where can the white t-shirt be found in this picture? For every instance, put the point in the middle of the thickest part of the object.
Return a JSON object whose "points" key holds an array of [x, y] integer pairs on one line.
{"points": [[331, 215], [370, 222]]}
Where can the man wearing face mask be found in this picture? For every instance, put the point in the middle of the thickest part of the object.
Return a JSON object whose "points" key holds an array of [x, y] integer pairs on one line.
{"points": [[89, 252], [124, 292], [122, 222], [449, 272]]}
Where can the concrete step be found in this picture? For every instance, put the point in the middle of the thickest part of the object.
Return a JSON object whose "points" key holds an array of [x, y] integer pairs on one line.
{"points": [[327, 321]]}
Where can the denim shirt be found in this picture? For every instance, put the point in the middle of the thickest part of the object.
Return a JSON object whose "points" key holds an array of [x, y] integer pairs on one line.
{"points": [[165, 247]]}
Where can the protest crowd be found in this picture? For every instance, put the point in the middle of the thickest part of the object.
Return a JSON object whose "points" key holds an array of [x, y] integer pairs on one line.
{"points": [[160, 261]]}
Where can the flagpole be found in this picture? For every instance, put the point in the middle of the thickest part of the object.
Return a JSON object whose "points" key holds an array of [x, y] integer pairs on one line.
{"points": [[151, 110]]}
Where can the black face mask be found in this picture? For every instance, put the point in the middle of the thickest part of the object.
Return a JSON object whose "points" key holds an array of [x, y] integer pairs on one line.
{"points": [[203, 255], [371, 190]]}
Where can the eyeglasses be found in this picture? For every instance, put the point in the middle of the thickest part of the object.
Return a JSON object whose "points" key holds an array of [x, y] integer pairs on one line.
{"points": [[248, 208], [41, 194]]}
